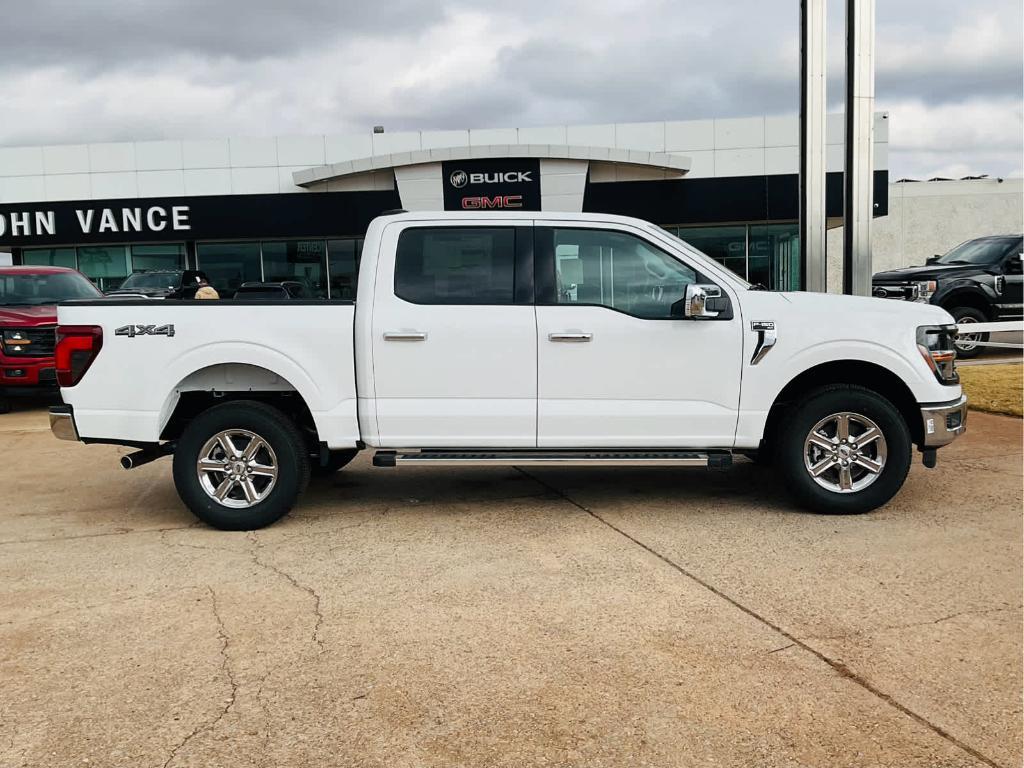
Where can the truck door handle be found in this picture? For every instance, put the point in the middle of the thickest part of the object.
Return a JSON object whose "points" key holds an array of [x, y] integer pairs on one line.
{"points": [[571, 337], [405, 335]]}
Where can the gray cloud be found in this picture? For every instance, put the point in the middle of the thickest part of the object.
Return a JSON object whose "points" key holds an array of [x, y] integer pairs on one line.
{"points": [[101, 34], [950, 72]]}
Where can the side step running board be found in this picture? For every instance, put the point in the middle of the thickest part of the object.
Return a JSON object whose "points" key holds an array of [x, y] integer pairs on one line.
{"points": [[714, 460]]}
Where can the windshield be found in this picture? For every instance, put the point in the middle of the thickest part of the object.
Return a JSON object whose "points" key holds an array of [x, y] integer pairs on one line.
{"points": [[988, 250], [152, 281], [700, 254], [30, 290]]}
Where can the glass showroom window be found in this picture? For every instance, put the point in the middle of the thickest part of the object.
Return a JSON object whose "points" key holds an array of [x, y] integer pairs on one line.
{"points": [[228, 265], [303, 261], [343, 257], [170, 256], [775, 256], [726, 245], [105, 265], [49, 257]]}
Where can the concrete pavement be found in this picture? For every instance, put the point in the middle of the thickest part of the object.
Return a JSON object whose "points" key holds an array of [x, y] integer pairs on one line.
{"points": [[493, 617]]}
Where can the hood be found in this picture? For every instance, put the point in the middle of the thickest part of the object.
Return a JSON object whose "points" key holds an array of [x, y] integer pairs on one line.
{"points": [[45, 314], [884, 310], [929, 272]]}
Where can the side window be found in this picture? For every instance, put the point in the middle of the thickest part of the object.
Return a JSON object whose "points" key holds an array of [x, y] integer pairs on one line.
{"points": [[617, 270], [456, 265]]}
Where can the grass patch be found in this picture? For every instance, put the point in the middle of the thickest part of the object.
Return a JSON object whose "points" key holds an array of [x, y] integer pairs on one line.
{"points": [[994, 388]]}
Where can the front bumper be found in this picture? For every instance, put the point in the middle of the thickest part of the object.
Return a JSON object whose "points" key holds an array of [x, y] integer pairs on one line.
{"points": [[943, 422], [62, 422], [32, 376]]}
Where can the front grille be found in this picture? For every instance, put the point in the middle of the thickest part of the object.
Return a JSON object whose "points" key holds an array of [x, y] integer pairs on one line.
{"points": [[904, 292], [41, 340]]}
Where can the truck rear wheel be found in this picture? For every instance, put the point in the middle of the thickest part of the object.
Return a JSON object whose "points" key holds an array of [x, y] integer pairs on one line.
{"points": [[240, 466], [844, 450]]}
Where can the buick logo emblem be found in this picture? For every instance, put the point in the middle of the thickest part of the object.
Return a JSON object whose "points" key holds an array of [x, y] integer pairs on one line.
{"points": [[459, 179]]}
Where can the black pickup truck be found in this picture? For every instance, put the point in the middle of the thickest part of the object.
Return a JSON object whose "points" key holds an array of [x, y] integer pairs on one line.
{"points": [[160, 284], [979, 281]]}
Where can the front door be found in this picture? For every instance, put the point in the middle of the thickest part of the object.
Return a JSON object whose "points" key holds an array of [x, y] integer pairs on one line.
{"points": [[615, 370], [1011, 303], [454, 339]]}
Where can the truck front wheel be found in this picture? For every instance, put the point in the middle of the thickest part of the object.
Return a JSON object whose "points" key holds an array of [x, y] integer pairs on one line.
{"points": [[969, 344], [844, 450], [240, 466]]}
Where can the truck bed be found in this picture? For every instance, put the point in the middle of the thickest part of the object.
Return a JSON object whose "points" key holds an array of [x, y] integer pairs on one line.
{"points": [[153, 351]]}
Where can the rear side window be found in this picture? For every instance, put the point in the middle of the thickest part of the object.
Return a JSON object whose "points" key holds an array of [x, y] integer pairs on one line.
{"points": [[456, 265]]}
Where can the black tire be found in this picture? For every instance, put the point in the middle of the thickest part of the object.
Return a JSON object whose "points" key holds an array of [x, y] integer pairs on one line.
{"points": [[969, 315], [5, 405], [335, 461], [280, 434], [820, 404]]}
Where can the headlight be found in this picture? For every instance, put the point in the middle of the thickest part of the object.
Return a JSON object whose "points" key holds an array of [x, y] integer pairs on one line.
{"points": [[15, 341], [936, 345], [925, 289]]}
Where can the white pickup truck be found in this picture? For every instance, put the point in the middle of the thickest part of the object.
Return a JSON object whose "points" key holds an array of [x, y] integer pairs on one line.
{"points": [[513, 339]]}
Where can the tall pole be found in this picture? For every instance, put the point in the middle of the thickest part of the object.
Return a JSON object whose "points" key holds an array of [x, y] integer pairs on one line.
{"points": [[858, 207], [812, 144]]}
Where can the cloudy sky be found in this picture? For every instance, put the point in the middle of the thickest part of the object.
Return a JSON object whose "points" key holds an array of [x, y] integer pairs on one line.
{"points": [[948, 71]]}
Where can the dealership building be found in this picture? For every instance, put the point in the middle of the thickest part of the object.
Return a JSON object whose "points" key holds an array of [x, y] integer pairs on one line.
{"points": [[295, 207]]}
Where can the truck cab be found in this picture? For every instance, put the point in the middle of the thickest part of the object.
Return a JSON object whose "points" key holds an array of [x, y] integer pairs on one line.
{"points": [[518, 339]]}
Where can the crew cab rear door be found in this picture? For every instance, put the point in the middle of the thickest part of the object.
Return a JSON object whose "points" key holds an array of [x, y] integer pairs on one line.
{"points": [[615, 369], [454, 336]]}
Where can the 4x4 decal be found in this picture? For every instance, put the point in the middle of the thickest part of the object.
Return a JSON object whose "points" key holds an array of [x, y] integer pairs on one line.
{"points": [[131, 331]]}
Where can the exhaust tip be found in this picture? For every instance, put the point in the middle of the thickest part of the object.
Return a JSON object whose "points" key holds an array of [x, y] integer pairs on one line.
{"points": [[126, 462]]}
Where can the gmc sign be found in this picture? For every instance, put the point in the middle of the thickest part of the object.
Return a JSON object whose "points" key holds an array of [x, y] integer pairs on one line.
{"points": [[480, 185]]}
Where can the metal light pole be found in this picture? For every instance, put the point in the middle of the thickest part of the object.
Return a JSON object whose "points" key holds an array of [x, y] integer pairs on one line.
{"points": [[812, 143], [858, 208]]}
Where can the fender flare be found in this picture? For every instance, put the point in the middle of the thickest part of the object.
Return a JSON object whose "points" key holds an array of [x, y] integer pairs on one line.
{"points": [[852, 351], [972, 289], [260, 356]]}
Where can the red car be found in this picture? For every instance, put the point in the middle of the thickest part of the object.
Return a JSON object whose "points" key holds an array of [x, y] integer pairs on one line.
{"points": [[28, 322]]}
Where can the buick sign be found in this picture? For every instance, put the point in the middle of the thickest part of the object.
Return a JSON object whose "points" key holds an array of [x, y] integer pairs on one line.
{"points": [[480, 185]]}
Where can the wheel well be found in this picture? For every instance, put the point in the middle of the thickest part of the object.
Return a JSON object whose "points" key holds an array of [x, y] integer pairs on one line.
{"points": [[967, 299], [223, 382], [868, 375]]}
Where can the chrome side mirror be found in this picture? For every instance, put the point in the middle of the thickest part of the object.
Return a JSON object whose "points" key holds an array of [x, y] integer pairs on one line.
{"points": [[703, 302]]}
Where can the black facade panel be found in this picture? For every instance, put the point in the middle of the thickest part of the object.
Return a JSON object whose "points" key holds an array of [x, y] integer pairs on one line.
{"points": [[720, 200], [223, 217]]}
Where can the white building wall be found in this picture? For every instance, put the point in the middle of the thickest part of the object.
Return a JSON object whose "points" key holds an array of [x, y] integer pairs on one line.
{"points": [[930, 217], [247, 165]]}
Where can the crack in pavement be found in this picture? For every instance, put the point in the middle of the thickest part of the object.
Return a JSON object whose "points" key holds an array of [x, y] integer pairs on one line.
{"points": [[911, 625], [836, 665], [229, 674], [91, 606], [267, 719], [254, 553], [121, 532]]}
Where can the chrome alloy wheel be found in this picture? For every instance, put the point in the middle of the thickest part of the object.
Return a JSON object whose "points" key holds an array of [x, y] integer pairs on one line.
{"points": [[845, 452], [966, 342], [237, 468]]}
